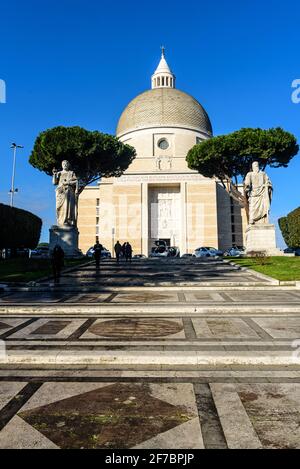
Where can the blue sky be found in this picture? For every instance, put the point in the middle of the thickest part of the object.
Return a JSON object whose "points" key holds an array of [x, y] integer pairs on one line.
{"points": [[75, 62]]}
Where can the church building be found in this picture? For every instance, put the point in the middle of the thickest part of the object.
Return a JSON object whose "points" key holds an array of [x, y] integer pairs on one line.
{"points": [[159, 197]]}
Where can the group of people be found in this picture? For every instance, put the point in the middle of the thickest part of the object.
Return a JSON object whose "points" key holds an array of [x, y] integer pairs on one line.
{"points": [[58, 255], [124, 250]]}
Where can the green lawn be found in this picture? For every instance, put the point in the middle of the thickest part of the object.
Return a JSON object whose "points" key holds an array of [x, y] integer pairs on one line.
{"points": [[27, 270], [281, 268]]}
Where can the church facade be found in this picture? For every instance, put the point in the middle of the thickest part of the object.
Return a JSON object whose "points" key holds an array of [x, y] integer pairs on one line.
{"points": [[159, 197]]}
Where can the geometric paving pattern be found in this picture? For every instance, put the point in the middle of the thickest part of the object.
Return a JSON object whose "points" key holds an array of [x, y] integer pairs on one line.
{"points": [[115, 416], [151, 406], [111, 415], [197, 297], [136, 328], [146, 415], [195, 330]]}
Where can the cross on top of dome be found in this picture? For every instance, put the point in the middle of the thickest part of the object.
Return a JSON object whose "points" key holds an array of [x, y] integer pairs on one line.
{"points": [[163, 77]]}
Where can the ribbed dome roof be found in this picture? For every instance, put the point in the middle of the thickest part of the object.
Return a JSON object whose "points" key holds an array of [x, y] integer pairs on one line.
{"points": [[164, 107]]}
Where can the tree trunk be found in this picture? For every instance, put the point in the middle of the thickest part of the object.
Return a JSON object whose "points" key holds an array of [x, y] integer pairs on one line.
{"points": [[239, 197]]}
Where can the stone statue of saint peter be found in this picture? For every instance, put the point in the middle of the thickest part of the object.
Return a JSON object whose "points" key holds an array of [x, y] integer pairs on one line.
{"points": [[259, 190]]}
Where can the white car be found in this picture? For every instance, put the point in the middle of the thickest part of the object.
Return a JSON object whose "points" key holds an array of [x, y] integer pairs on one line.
{"points": [[207, 252], [105, 254], [160, 251], [234, 252]]}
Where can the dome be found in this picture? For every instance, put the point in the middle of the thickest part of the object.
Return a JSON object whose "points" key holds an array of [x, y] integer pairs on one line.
{"points": [[164, 107]]}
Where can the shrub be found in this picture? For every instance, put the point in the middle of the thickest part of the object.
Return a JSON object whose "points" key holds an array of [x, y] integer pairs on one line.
{"points": [[260, 257], [18, 228], [290, 228]]}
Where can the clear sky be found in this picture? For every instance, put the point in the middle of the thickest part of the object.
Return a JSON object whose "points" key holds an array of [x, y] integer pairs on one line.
{"points": [[75, 62]]}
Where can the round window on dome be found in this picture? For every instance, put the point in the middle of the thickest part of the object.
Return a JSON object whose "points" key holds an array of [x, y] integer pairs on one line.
{"points": [[163, 144]]}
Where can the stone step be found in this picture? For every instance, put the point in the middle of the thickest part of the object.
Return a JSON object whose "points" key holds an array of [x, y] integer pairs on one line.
{"points": [[153, 310], [145, 358], [85, 287]]}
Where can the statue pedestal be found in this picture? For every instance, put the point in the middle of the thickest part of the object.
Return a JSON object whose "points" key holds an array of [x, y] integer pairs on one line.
{"points": [[67, 238], [262, 238]]}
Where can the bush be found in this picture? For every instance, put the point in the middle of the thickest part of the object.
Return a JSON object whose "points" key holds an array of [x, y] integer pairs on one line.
{"points": [[260, 257], [290, 228], [18, 228]]}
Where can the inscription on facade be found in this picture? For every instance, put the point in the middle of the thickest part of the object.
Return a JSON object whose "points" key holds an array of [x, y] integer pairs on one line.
{"points": [[157, 178]]}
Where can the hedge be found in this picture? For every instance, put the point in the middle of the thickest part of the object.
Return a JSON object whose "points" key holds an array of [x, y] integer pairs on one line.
{"points": [[18, 228], [290, 228]]}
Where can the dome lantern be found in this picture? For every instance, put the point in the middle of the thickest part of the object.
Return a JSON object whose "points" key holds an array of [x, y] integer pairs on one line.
{"points": [[163, 77]]}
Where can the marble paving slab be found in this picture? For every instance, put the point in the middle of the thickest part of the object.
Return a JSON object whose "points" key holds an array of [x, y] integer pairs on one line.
{"points": [[47, 328], [146, 297], [6, 324], [246, 297], [259, 415], [8, 391], [280, 327], [223, 328], [106, 415]]}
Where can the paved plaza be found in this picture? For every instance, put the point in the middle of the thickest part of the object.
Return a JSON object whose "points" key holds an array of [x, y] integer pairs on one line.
{"points": [[167, 353]]}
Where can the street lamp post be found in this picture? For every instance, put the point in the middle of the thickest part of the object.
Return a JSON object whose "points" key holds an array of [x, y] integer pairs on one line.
{"points": [[12, 191], [112, 241]]}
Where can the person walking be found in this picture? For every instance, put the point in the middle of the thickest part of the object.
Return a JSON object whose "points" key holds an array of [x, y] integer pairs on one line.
{"points": [[118, 250], [98, 248], [128, 252], [57, 259]]}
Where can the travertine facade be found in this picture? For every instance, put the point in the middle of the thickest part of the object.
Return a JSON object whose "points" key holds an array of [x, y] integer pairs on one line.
{"points": [[158, 196]]}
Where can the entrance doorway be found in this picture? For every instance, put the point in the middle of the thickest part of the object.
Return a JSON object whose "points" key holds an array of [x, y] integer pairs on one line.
{"points": [[164, 214]]}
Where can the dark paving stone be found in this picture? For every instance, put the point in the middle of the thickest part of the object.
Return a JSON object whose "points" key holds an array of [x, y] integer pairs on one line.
{"points": [[135, 328], [116, 416], [51, 328], [212, 432], [189, 330], [4, 326]]}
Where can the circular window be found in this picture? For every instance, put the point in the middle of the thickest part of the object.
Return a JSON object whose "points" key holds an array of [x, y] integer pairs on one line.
{"points": [[163, 144]]}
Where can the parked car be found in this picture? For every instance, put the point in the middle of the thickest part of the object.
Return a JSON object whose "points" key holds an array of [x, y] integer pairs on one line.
{"points": [[234, 252], [160, 251], [105, 254], [207, 252], [295, 251], [289, 251], [174, 251], [40, 252]]}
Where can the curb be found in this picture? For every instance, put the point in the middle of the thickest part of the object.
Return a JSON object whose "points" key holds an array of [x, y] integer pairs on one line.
{"points": [[211, 358], [155, 310], [271, 280]]}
